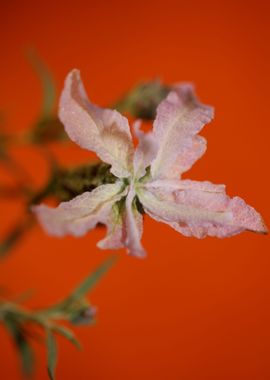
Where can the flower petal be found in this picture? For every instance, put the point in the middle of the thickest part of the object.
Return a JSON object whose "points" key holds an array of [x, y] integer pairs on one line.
{"points": [[199, 209], [179, 118], [133, 224], [82, 213], [114, 238], [104, 131], [145, 151], [125, 229]]}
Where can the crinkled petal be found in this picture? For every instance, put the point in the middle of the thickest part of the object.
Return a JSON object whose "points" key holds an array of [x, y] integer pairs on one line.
{"points": [[180, 117], [190, 153], [199, 208], [133, 224], [145, 151], [114, 238], [82, 213], [104, 131], [169, 186], [125, 229]]}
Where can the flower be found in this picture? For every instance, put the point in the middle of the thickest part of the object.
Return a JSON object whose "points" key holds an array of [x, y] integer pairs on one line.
{"points": [[148, 177]]}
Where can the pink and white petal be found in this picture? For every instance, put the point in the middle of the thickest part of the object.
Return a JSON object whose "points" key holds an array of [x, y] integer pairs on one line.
{"points": [[146, 150], [171, 211], [125, 229], [133, 224], [180, 117], [190, 153], [114, 238], [169, 186], [104, 131], [200, 209], [82, 213]]}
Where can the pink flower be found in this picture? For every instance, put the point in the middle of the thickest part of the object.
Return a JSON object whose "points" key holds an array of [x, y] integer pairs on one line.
{"points": [[148, 175]]}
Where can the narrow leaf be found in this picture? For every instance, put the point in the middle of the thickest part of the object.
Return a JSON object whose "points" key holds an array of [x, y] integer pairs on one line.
{"points": [[93, 279], [47, 82], [24, 349], [85, 286], [68, 334], [51, 354], [14, 236], [27, 356]]}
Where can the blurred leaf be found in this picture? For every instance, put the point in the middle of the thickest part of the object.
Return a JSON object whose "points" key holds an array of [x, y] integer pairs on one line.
{"points": [[14, 236], [47, 81], [22, 345], [27, 356], [3, 137], [14, 191], [74, 308], [2, 118], [15, 168], [51, 354], [25, 296], [142, 100], [66, 305], [93, 279], [48, 130], [68, 334]]}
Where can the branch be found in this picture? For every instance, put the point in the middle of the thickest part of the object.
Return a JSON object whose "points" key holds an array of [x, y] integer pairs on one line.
{"points": [[75, 309]]}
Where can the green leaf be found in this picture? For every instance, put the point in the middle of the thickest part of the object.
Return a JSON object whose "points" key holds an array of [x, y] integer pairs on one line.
{"points": [[68, 334], [10, 241], [27, 356], [3, 137], [47, 82], [84, 287], [142, 100], [14, 236], [65, 306], [51, 354], [93, 279], [24, 349]]}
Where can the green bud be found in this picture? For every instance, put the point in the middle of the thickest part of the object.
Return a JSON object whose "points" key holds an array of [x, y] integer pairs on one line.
{"points": [[46, 131], [142, 101]]}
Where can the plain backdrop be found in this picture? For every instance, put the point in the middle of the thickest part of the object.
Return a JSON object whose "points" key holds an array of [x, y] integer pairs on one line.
{"points": [[194, 309]]}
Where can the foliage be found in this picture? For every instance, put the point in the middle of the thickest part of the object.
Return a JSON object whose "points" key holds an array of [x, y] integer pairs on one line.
{"points": [[74, 309], [23, 324]]}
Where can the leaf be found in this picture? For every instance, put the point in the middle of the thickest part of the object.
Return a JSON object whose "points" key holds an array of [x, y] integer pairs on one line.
{"points": [[85, 286], [3, 136], [24, 296], [51, 354], [93, 279], [47, 81], [24, 349], [142, 100], [14, 236], [27, 356], [10, 241], [68, 334]]}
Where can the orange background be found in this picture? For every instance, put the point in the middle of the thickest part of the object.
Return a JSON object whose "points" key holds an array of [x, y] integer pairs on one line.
{"points": [[193, 310]]}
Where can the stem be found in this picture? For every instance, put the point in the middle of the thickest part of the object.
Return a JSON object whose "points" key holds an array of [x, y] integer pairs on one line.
{"points": [[16, 169], [15, 235], [39, 317], [14, 191]]}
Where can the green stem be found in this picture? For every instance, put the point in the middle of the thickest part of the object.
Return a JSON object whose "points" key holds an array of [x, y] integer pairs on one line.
{"points": [[17, 170], [15, 235]]}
